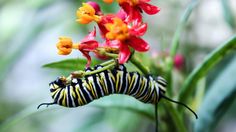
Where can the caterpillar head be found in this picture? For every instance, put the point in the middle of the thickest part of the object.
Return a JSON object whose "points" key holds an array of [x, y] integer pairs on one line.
{"points": [[60, 82], [56, 85]]}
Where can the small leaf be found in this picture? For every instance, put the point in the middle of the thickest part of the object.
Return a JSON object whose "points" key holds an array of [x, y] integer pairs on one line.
{"points": [[220, 96], [70, 64]]}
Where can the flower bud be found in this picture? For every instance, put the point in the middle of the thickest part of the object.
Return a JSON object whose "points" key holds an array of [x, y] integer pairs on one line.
{"points": [[64, 46], [86, 14], [179, 61], [95, 6]]}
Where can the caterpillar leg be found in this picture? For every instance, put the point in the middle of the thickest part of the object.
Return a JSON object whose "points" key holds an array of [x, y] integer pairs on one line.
{"points": [[47, 104]]}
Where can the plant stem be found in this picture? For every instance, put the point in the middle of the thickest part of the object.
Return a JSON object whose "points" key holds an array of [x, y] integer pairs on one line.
{"points": [[175, 117], [80, 74], [133, 60], [107, 62], [139, 65], [101, 69]]}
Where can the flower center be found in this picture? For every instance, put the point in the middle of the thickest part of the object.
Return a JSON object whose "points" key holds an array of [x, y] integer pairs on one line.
{"points": [[117, 30]]}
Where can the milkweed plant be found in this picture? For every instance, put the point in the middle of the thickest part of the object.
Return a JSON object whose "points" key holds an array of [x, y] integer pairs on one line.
{"points": [[116, 45], [121, 35]]}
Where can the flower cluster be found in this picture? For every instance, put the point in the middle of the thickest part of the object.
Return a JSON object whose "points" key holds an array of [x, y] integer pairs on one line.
{"points": [[121, 32]]}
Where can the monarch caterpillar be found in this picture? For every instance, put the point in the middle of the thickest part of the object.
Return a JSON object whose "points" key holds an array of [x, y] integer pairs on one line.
{"points": [[78, 92]]}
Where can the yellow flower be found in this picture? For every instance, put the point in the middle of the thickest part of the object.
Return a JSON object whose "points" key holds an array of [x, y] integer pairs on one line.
{"points": [[86, 14], [117, 30], [64, 46]]}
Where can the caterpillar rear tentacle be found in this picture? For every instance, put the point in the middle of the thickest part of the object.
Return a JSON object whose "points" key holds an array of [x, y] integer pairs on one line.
{"points": [[180, 103], [47, 104]]}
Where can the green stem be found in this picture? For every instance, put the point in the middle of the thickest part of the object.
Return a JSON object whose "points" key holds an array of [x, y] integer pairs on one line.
{"points": [[210, 61], [139, 65], [101, 69], [79, 74], [178, 122], [107, 62], [133, 60], [102, 51]]}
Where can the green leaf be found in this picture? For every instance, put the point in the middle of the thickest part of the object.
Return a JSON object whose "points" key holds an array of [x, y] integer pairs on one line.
{"points": [[170, 62], [90, 123], [176, 39], [181, 26], [30, 111], [125, 121], [210, 61], [126, 109], [70, 64], [124, 102], [220, 96]]}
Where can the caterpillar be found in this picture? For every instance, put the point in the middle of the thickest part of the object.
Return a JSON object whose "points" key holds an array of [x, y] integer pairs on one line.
{"points": [[81, 91]]}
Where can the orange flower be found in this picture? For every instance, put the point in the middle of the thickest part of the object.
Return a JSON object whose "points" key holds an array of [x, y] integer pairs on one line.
{"points": [[88, 44], [64, 46], [86, 14]]}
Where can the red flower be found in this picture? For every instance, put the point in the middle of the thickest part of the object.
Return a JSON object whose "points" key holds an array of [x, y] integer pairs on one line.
{"points": [[124, 36], [109, 19], [134, 8], [88, 44]]}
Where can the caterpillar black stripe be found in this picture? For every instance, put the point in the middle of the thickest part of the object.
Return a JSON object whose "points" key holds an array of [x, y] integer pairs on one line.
{"points": [[81, 91]]}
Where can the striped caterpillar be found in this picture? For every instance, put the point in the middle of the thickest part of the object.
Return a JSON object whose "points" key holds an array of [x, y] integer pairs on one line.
{"points": [[81, 91]]}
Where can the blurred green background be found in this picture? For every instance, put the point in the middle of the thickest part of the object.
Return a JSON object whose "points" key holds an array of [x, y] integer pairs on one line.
{"points": [[29, 30]]}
